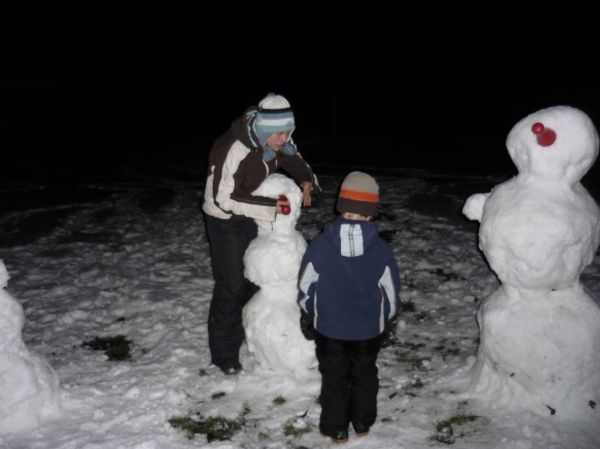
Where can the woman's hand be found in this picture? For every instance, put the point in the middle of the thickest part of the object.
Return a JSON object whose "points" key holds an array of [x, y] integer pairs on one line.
{"points": [[306, 190]]}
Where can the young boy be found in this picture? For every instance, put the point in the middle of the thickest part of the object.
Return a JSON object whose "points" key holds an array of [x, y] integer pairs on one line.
{"points": [[348, 291]]}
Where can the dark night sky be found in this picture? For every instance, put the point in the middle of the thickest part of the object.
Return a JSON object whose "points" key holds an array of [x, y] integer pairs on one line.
{"points": [[113, 78]]}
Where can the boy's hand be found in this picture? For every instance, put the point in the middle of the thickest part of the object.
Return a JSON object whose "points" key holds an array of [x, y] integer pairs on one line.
{"points": [[388, 336], [306, 326]]}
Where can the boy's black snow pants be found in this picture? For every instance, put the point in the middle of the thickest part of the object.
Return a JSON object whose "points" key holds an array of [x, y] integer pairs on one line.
{"points": [[228, 240], [349, 383]]}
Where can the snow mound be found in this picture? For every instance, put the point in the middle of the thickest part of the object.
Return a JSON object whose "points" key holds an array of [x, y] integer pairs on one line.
{"points": [[28, 385]]}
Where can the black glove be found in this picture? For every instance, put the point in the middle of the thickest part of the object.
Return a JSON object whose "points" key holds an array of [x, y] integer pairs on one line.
{"points": [[388, 336], [306, 325]]}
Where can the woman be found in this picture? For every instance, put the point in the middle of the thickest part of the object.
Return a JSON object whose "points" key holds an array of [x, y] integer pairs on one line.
{"points": [[257, 144]]}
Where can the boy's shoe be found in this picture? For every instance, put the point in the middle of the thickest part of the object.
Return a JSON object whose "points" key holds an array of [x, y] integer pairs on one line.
{"points": [[361, 430], [339, 437], [230, 368]]}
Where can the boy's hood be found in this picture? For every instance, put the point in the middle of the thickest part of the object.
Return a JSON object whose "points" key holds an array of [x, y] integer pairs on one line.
{"points": [[352, 238]]}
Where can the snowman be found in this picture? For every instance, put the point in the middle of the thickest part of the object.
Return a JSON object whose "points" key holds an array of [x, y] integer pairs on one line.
{"points": [[271, 317], [540, 331], [28, 386]]}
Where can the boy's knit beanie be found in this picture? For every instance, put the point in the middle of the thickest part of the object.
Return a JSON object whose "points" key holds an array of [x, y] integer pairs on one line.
{"points": [[274, 115], [359, 194]]}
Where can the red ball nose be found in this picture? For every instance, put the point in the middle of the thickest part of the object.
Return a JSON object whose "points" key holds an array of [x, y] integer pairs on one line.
{"points": [[285, 209], [537, 128], [545, 136]]}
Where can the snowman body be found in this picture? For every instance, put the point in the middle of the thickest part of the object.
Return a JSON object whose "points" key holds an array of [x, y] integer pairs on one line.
{"points": [[28, 385], [537, 234], [271, 317], [540, 331]]}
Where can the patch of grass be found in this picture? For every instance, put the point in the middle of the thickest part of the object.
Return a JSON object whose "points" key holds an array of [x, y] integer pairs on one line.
{"points": [[446, 275], [214, 427], [218, 395], [417, 384], [444, 351], [295, 428], [416, 363], [279, 400], [263, 436], [421, 316], [246, 410], [411, 389], [445, 431], [117, 348], [456, 420], [202, 372]]}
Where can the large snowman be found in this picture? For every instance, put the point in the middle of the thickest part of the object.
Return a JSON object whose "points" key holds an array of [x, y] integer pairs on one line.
{"points": [[28, 386], [271, 317], [540, 331]]}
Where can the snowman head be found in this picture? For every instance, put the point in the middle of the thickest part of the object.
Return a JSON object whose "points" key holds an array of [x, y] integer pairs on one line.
{"points": [[558, 143], [272, 187]]}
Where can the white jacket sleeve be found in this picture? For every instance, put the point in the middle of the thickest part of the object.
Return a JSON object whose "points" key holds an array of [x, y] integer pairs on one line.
{"points": [[227, 184]]}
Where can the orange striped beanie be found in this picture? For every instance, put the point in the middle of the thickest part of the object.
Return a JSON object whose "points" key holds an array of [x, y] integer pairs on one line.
{"points": [[359, 194]]}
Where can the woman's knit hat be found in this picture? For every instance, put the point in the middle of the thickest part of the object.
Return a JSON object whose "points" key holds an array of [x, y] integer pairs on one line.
{"points": [[274, 115], [359, 194]]}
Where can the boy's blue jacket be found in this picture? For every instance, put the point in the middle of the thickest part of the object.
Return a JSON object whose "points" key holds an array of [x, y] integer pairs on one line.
{"points": [[349, 282]]}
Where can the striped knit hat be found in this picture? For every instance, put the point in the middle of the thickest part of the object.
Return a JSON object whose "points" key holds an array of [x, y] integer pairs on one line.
{"points": [[359, 194], [274, 115]]}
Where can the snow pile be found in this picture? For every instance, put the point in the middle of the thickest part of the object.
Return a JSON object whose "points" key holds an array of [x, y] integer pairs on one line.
{"points": [[28, 385]]}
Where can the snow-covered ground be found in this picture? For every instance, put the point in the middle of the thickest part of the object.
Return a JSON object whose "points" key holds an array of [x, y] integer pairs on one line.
{"points": [[130, 258]]}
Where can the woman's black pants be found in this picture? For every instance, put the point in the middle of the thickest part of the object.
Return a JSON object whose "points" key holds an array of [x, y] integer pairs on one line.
{"points": [[228, 240]]}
